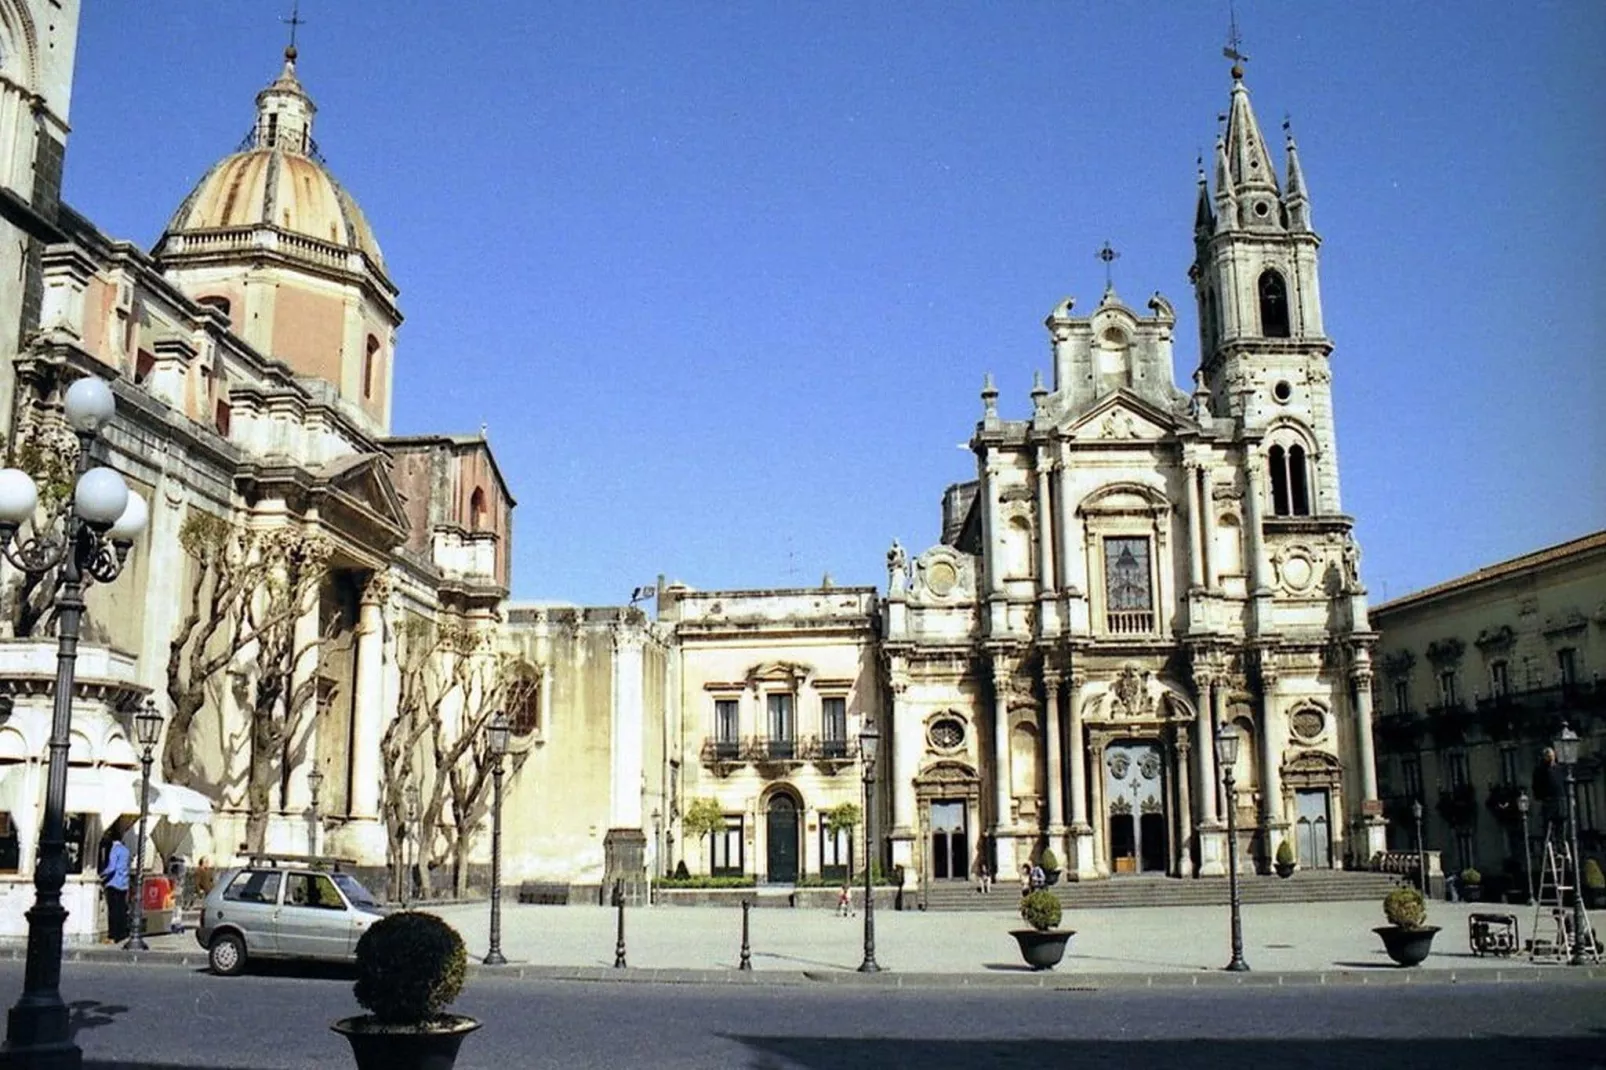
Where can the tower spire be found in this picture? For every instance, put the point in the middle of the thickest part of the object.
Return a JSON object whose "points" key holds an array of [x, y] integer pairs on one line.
{"points": [[295, 21], [1297, 199]]}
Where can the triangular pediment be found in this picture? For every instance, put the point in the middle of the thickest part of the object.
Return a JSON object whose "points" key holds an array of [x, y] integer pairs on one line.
{"points": [[363, 482], [1122, 416]]}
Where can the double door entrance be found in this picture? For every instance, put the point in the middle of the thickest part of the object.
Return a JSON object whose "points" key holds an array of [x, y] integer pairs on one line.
{"points": [[950, 840], [1135, 808], [1313, 840]]}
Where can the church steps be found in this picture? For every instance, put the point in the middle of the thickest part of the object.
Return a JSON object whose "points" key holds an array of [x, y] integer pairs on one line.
{"points": [[1324, 887]]}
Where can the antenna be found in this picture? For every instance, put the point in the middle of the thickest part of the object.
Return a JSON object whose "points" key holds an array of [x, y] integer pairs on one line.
{"points": [[294, 22], [1109, 256], [1233, 40]]}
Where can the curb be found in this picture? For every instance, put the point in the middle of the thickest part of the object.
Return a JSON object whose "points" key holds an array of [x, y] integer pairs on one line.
{"points": [[1382, 977]]}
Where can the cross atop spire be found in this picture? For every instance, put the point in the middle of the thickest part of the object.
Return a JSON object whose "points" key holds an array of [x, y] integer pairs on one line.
{"points": [[1109, 256], [295, 21], [1233, 41]]}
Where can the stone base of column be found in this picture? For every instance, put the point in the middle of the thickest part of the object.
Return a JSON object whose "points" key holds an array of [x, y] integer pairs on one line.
{"points": [[1079, 861], [1376, 832], [1271, 834], [1006, 861], [903, 849], [624, 859], [1212, 850]]}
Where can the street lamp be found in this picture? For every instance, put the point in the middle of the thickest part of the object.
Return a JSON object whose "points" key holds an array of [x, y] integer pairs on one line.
{"points": [[869, 746], [147, 731], [1421, 855], [92, 544], [1567, 757], [411, 833], [1523, 803], [1226, 758], [496, 740], [314, 785]]}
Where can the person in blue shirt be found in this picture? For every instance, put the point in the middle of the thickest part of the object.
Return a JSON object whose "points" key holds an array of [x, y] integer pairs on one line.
{"points": [[114, 878]]}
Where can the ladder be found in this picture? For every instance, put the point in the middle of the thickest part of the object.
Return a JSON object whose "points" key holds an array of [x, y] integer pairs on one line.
{"points": [[1553, 933]]}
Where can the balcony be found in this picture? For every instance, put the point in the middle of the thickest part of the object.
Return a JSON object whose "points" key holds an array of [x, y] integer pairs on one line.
{"points": [[1129, 622], [1459, 805], [721, 755], [1450, 721], [830, 754]]}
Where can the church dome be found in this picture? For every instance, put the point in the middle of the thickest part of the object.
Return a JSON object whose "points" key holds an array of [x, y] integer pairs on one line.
{"points": [[275, 182]]}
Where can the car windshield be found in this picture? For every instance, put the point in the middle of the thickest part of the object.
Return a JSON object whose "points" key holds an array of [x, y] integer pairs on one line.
{"points": [[356, 892]]}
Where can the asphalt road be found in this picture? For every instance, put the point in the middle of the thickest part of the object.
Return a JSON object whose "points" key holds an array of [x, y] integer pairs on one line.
{"points": [[159, 1017]]}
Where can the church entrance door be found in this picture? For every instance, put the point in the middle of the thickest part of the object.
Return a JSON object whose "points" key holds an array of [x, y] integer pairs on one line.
{"points": [[950, 844], [781, 835], [1312, 829], [1134, 790]]}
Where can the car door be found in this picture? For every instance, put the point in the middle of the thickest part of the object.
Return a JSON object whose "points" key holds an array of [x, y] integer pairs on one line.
{"points": [[251, 904], [314, 921]]}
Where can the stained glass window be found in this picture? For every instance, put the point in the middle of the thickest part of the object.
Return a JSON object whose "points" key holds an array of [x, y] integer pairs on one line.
{"points": [[1126, 574]]}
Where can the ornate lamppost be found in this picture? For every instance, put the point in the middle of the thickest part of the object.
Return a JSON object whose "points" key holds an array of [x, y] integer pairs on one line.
{"points": [[496, 734], [1421, 855], [869, 745], [92, 544], [1523, 803], [1567, 756], [147, 731], [314, 786], [1226, 757], [411, 797]]}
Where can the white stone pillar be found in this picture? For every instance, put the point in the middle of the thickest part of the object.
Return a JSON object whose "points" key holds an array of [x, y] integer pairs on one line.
{"points": [[1081, 833], [624, 790], [368, 711], [1056, 813], [1182, 774], [1207, 524], [1002, 826], [1271, 752], [1205, 738], [1254, 536], [1371, 808], [905, 747], [1196, 544], [990, 533]]}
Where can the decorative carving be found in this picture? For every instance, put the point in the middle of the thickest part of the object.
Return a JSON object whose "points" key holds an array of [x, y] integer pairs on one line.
{"points": [[897, 568], [1230, 490], [1118, 425], [1131, 691], [1398, 663], [1308, 723], [1495, 639], [1446, 652], [1119, 763], [1149, 765], [946, 732], [1017, 493]]}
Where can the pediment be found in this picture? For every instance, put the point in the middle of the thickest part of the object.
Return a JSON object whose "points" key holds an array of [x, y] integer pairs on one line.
{"points": [[363, 482], [1122, 416]]}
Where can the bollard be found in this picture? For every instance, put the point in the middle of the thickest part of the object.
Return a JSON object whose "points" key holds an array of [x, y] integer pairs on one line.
{"points": [[746, 962], [619, 945]]}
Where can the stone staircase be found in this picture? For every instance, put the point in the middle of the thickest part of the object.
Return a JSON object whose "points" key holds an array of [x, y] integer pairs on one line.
{"points": [[1306, 886]]}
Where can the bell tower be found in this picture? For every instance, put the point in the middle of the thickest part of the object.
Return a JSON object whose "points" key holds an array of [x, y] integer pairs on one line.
{"points": [[1263, 350]]}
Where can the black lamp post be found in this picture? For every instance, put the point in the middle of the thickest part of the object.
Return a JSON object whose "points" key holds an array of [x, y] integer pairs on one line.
{"points": [[1523, 803], [92, 544], [147, 731], [496, 739], [314, 786], [411, 834], [1227, 757], [1567, 756], [1421, 855], [869, 746]]}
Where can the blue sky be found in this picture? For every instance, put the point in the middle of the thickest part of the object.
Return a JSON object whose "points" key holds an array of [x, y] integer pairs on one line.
{"points": [[723, 279]]}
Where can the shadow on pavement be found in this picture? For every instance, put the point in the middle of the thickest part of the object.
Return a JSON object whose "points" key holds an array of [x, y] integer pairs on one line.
{"points": [[102, 1064], [1449, 1053], [90, 1014], [1369, 966]]}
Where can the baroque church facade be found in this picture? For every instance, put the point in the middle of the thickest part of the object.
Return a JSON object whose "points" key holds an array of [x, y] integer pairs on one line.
{"points": [[1132, 565]]}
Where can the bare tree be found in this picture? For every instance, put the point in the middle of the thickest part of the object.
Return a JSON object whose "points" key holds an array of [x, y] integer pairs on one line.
{"points": [[47, 450]]}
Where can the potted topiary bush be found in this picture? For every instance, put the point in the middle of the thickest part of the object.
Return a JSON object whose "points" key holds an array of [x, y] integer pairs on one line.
{"points": [[410, 967], [1051, 865], [1594, 885], [1407, 937], [1042, 946], [1471, 885], [1285, 859]]}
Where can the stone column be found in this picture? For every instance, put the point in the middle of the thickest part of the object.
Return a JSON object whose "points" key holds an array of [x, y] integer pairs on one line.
{"points": [[1260, 594], [1366, 754], [1003, 829], [368, 711], [1196, 538], [1100, 863], [905, 747], [1056, 795], [1073, 562], [1081, 833], [1271, 750], [1204, 732], [1183, 774], [1047, 582], [990, 533], [1207, 526]]}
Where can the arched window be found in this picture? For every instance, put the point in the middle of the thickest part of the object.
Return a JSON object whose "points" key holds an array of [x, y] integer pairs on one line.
{"points": [[476, 510], [369, 359], [1290, 480], [1273, 305]]}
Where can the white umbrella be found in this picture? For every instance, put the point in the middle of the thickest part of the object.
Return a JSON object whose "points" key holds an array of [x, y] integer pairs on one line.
{"points": [[179, 804]]}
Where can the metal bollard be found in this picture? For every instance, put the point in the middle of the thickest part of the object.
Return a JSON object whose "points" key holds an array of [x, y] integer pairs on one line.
{"points": [[619, 945], [746, 962]]}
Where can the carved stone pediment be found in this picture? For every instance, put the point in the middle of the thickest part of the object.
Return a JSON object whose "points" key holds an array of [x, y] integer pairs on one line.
{"points": [[943, 575]]}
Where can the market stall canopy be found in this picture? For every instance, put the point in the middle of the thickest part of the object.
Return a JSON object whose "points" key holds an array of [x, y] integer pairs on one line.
{"points": [[179, 804], [108, 790]]}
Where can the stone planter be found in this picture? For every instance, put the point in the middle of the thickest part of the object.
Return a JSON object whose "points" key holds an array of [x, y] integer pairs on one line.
{"points": [[1284, 869], [1042, 950], [1471, 893], [1051, 877], [1407, 947], [405, 1047]]}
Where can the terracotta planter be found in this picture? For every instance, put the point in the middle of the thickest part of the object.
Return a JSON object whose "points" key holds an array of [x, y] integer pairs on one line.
{"points": [[405, 1047], [1407, 947], [1042, 950]]}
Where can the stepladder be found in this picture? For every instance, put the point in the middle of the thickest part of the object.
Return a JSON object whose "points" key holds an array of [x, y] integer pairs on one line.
{"points": [[1562, 931]]}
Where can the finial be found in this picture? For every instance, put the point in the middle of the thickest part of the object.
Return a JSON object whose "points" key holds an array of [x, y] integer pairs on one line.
{"points": [[1233, 41], [1288, 128], [485, 432], [1039, 391], [989, 395], [294, 21]]}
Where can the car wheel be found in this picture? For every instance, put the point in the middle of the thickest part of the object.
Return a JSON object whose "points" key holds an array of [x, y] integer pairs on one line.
{"points": [[226, 956]]}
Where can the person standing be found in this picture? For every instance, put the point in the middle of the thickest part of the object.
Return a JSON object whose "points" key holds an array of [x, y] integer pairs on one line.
{"points": [[114, 878], [1550, 791]]}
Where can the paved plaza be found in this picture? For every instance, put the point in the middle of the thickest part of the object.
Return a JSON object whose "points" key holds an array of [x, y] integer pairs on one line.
{"points": [[1319, 941]]}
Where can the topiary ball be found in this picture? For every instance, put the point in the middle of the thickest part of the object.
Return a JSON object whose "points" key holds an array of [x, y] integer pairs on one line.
{"points": [[1285, 854], [1041, 909], [1050, 860], [410, 967], [1593, 877], [1405, 908]]}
